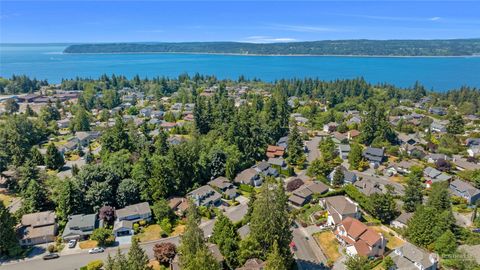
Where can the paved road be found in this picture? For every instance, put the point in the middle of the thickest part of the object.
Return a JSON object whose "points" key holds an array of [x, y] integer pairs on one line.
{"points": [[75, 261], [313, 151]]}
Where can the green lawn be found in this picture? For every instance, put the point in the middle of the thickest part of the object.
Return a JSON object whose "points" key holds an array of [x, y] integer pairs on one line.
{"points": [[150, 233], [305, 215]]}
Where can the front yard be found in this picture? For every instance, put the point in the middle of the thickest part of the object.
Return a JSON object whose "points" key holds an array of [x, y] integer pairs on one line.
{"points": [[150, 233], [88, 244], [329, 245], [6, 199]]}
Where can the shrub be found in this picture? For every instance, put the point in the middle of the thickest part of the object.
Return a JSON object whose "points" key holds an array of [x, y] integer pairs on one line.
{"points": [[136, 227], [95, 265], [294, 184], [51, 248], [142, 222]]}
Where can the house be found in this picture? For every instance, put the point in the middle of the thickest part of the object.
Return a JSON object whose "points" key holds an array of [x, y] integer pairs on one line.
{"points": [[283, 142], [63, 123], [249, 177], [37, 228], [178, 205], [168, 125], [343, 151], [339, 208], [264, 168], [403, 167], [359, 239], [408, 139], [146, 112], [225, 186], [374, 155], [472, 142], [462, 164], [301, 120], [432, 158], [437, 111], [135, 212], [85, 137], [205, 196], [279, 163], [244, 231], [438, 127], [79, 227], [369, 185], [330, 127], [474, 151], [465, 190], [352, 134], [176, 140], [123, 228], [303, 195], [253, 264], [354, 120], [70, 145], [409, 256], [348, 176], [433, 175], [274, 151], [401, 221]]}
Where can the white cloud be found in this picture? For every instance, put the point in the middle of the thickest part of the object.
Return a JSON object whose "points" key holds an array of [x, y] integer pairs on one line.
{"points": [[267, 39], [434, 18]]}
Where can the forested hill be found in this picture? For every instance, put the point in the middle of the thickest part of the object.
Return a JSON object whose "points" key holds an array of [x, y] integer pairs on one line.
{"points": [[452, 47]]}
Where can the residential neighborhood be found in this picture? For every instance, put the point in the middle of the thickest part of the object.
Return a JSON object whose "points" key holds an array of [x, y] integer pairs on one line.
{"points": [[131, 170]]}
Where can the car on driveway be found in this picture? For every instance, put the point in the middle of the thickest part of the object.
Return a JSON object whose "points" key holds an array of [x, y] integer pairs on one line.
{"points": [[96, 250], [51, 256], [72, 243]]}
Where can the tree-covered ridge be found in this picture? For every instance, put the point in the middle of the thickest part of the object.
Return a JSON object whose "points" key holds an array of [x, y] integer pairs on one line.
{"points": [[451, 47]]}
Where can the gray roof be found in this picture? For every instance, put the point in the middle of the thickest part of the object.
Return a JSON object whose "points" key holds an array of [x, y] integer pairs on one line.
{"points": [[276, 161], [135, 209], [464, 187], [407, 255], [221, 183], [404, 218], [128, 224], [80, 225], [340, 205], [244, 231], [374, 154], [246, 176], [204, 195], [344, 147]]}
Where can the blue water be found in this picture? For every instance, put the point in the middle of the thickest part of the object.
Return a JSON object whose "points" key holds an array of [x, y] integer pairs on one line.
{"points": [[48, 62]]}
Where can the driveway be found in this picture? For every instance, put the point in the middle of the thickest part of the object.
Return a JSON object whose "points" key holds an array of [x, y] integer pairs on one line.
{"points": [[313, 151]]}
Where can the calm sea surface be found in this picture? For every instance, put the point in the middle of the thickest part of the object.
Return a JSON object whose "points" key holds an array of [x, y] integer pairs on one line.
{"points": [[48, 62]]}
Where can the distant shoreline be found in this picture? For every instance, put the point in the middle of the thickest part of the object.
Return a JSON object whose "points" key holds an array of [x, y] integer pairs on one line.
{"points": [[288, 55]]}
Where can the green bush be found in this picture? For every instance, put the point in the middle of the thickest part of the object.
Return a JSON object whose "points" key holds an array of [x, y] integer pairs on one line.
{"points": [[95, 265]]}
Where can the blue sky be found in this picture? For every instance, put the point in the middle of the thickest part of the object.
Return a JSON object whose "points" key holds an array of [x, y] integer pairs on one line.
{"points": [[267, 21]]}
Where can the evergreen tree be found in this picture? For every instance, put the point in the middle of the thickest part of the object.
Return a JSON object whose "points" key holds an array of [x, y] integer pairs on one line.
{"points": [[34, 198], [37, 157], [161, 143], [455, 124], [338, 177], [8, 241], [355, 156], [29, 112], [439, 197], [80, 121], [275, 260], [109, 263], [53, 158], [11, 105], [270, 220], [137, 258], [446, 243], [195, 254], [384, 207], [413, 191], [121, 261], [295, 147], [226, 237]]}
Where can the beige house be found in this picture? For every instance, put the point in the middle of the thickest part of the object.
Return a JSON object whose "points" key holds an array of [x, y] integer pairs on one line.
{"points": [[37, 228]]}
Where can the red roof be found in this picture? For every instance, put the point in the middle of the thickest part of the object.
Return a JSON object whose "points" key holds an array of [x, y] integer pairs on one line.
{"points": [[275, 151]]}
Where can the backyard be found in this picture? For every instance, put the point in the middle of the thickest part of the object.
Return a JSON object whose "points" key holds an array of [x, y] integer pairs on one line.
{"points": [[392, 241]]}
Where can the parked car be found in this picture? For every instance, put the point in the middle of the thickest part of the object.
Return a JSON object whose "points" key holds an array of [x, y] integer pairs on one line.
{"points": [[96, 250], [72, 243], [50, 256]]}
